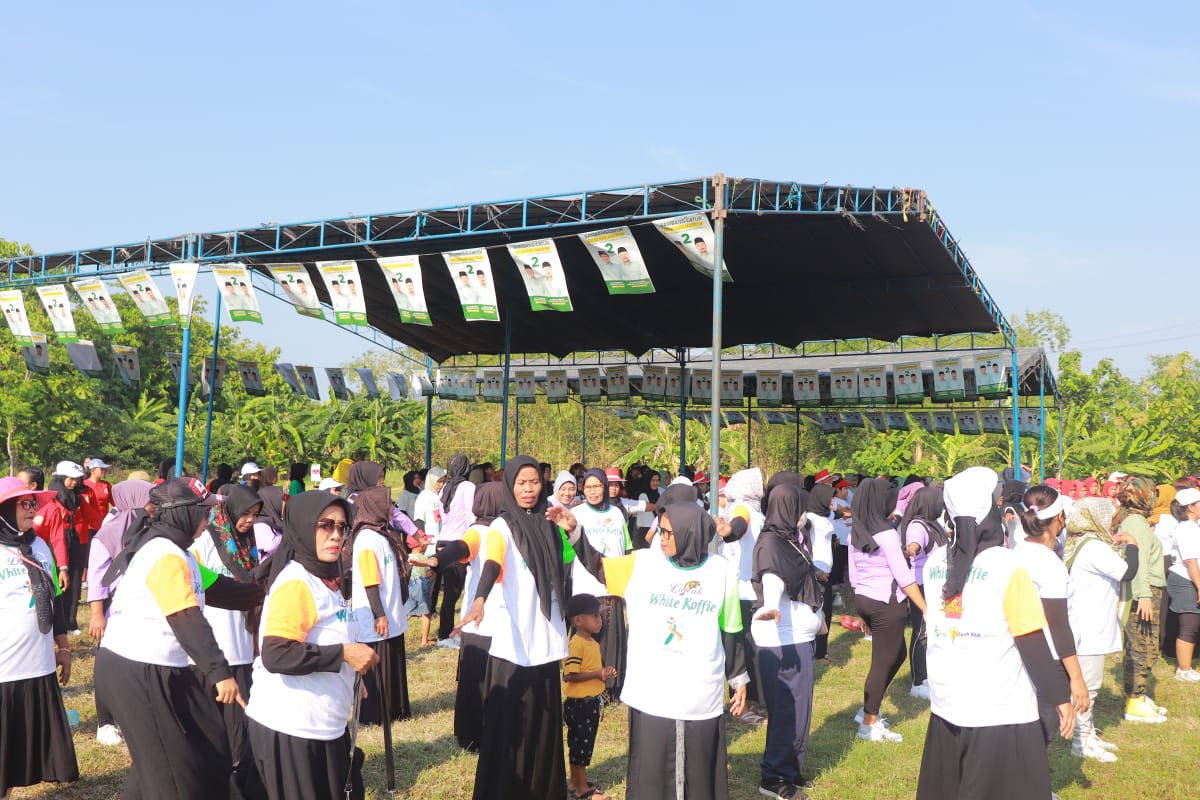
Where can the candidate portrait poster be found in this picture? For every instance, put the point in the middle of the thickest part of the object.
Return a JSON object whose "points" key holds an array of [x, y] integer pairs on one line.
{"points": [[968, 422], [183, 278], [542, 272], [831, 422], [290, 377], [872, 384], [701, 386], [993, 420], [345, 291], [337, 383], [876, 420], [251, 378], [618, 382], [95, 297], [493, 386], [368, 381], [297, 285], [13, 304], [404, 279], [654, 381], [37, 354], [852, 419], [677, 383], [525, 387], [471, 271], [732, 390], [128, 366], [237, 293], [991, 375], [556, 386], [806, 387], [85, 358], [923, 420], [619, 260], [693, 235], [148, 299], [943, 421], [589, 384], [399, 387], [909, 382], [843, 386], [308, 380], [769, 388], [1031, 421], [58, 306], [175, 362], [896, 420], [212, 378], [948, 381]]}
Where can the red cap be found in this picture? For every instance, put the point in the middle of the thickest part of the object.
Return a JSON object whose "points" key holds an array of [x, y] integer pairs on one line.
{"points": [[700, 478], [842, 484], [613, 474], [822, 477], [721, 485]]}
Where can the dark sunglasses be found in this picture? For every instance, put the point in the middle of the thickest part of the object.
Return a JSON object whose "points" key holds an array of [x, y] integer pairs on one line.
{"points": [[329, 525]]}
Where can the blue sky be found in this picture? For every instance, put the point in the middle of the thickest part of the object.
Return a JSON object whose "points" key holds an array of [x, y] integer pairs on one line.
{"points": [[1059, 144]]}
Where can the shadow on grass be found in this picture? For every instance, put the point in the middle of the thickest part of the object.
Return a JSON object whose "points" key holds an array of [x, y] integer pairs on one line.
{"points": [[411, 759]]}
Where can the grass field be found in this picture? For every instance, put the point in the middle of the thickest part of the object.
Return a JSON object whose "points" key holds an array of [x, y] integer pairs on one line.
{"points": [[1156, 761]]}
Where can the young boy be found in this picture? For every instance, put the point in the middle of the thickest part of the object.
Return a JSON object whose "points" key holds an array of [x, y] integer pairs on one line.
{"points": [[584, 675]]}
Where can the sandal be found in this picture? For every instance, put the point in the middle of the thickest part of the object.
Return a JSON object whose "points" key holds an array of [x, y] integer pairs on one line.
{"points": [[593, 792], [751, 718]]}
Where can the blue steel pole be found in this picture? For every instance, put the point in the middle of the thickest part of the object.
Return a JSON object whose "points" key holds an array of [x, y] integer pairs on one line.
{"points": [[714, 431], [1016, 419], [508, 315], [1042, 427], [1062, 423], [211, 394]]}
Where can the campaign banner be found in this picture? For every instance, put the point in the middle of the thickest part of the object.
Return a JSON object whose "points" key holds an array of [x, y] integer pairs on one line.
{"points": [[525, 387], [943, 421], [589, 384], [408, 288], [556, 386], [993, 420], [471, 272], [493, 386], [806, 387], [337, 383], [368, 381], [251, 379], [175, 362], [876, 419], [58, 307], [693, 235], [968, 422], [37, 354], [85, 358], [853, 419], [922, 419], [212, 381], [463, 387], [700, 390], [909, 382], [237, 293], [542, 271], [731, 387], [676, 379], [948, 379], [991, 375], [290, 377], [398, 386], [345, 291], [147, 298], [297, 285], [128, 366], [872, 384], [831, 422], [94, 295], [420, 384], [843, 386], [896, 420], [183, 277], [769, 388], [13, 303], [618, 382], [308, 380], [1031, 421], [654, 382], [616, 254]]}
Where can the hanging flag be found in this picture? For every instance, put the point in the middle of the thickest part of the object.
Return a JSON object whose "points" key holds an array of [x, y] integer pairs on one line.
{"points": [[589, 384], [897, 421], [843, 387], [806, 387], [298, 286], [616, 254], [872, 385], [617, 379], [943, 421], [556, 386], [175, 362], [676, 383], [768, 388], [421, 385], [968, 422], [542, 271], [471, 271], [493, 386], [525, 387], [948, 379], [345, 291], [13, 303], [290, 376], [237, 293], [909, 381], [368, 380], [991, 376], [147, 298], [693, 235], [922, 418], [128, 366], [404, 279], [308, 380], [1031, 421], [37, 354], [58, 307], [876, 419], [212, 381], [992, 420], [852, 419], [337, 383], [85, 358], [251, 379], [831, 422], [398, 386], [183, 276], [94, 294]]}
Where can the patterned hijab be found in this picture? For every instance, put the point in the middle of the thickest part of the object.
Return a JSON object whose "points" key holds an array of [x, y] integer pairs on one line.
{"points": [[1137, 496], [237, 550], [1089, 518]]}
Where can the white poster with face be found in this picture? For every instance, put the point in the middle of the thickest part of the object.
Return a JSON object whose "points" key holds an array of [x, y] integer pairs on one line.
{"points": [[95, 297], [337, 383], [345, 291], [654, 380], [493, 386], [872, 384], [618, 382], [399, 386], [183, 277], [968, 422], [298, 286], [852, 419], [693, 235], [701, 386], [806, 387], [677, 383], [831, 422], [542, 272], [897, 420], [128, 366], [991, 375], [13, 303], [85, 358], [556, 386], [420, 384], [843, 386], [237, 293], [909, 382], [175, 362], [732, 390], [471, 271], [922, 419], [1031, 421], [37, 354], [290, 377], [404, 279], [876, 420], [308, 380], [210, 377], [368, 381], [589, 384], [943, 421], [148, 299], [993, 420], [948, 381], [58, 307], [616, 254], [251, 379], [769, 388], [525, 386]]}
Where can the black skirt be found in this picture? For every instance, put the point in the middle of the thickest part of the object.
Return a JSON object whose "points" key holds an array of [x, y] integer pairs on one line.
{"points": [[468, 699], [293, 768], [392, 672], [659, 746], [35, 737], [614, 642], [521, 748], [994, 763], [174, 730]]}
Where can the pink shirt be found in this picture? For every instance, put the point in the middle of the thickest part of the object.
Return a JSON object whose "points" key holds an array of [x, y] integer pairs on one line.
{"points": [[459, 516], [872, 574]]}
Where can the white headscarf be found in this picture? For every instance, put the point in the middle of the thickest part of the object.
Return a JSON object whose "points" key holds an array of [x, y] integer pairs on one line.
{"points": [[562, 477], [746, 487]]}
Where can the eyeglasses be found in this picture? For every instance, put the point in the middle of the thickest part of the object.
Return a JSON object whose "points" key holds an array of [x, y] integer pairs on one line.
{"points": [[666, 533], [329, 526], [28, 505]]}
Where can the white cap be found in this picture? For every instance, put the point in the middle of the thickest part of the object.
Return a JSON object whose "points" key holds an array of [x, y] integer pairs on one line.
{"points": [[98, 463], [1113, 477], [1185, 497], [329, 483], [249, 468], [68, 469]]}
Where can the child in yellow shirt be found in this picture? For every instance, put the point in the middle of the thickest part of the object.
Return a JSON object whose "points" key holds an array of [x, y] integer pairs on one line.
{"points": [[584, 675]]}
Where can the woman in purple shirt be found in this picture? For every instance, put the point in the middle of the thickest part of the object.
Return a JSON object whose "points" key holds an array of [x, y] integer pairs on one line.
{"points": [[883, 586], [923, 533]]}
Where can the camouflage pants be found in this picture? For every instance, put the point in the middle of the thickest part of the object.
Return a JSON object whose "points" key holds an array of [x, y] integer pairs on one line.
{"points": [[1141, 645]]}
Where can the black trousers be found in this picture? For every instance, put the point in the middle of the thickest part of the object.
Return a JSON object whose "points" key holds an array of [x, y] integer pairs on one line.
{"points": [[917, 642], [449, 581], [67, 603], [886, 621]]}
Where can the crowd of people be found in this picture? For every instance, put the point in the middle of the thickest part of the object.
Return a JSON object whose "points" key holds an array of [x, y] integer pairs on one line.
{"points": [[245, 630]]}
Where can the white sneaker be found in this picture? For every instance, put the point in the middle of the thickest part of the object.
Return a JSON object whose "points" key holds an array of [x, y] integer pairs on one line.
{"points": [[837, 601], [868, 638], [1109, 746], [920, 690], [75, 632], [1187, 675], [858, 715], [450, 644], [1094, 749], [109, 735], [879, 732]]}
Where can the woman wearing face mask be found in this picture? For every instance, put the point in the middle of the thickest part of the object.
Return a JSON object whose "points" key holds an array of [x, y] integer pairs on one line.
{"points": [[304, 676]]}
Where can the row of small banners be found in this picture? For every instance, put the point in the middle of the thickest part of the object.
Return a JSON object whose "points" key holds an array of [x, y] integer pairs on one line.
{"points": [[614, 251]]}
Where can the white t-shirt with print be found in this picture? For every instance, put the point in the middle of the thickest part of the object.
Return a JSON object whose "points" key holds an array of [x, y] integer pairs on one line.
{"points": [[1049, 575], [228, 626], [1186, 543], [25, 652], [374, 543], [608, 533]]}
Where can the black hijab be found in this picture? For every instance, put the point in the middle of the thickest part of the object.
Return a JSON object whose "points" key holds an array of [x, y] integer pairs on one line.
{"points": [[778, 549], [488, 501], [363, 475], [67, 498], [299, 542], [457, 472], [604, 501], [176, 523], [645, 488], [870, 510], [675, 493], [410, 485], [166, 469], [40, 581], [693, 530], [819, 498], [536, 537], [926, 506], [781, 479]]}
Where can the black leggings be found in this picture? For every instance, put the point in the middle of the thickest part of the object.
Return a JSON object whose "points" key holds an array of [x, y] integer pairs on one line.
{"points": [[886, 621], [916, 643], [1189, 626]]}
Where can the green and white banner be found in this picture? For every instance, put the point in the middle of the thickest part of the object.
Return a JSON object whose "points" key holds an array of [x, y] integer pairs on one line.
{"points": [[948, 379], [542, 271], [493, 386], [297, 285], [94, 294], [872, 385], [147, 298], [408, 288], [589, 384], [769, 391], [37, 354], [616, 254], [128, 366], [991, 375], [731, 387], [693, 235], [618, 382], [909, 383], [654, 382], [345, 291], [183, 277], [337, 383], [526, 387], [843, 387], [471, 271], [57, 303], [806, 387], [13, 303], [237, 293], [556, 386]]}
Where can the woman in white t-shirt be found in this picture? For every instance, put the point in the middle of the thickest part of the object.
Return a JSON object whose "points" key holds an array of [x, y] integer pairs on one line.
{"points": [[741, 520], [1097, 571], [922, 532], [821, 535], [1183, 580]]}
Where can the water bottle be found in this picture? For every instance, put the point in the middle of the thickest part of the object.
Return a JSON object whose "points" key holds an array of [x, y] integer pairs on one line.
{"points": [[73, 717]]}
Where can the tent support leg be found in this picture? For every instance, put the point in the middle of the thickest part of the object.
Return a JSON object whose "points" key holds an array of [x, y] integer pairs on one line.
{"points": [[747, 433], [1016, 417], [516, 423], [583, 437], [508, 315], [1062, 423], [1042, 427], [682, 411], [714, 431], [429, 417], [211, 394]]}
